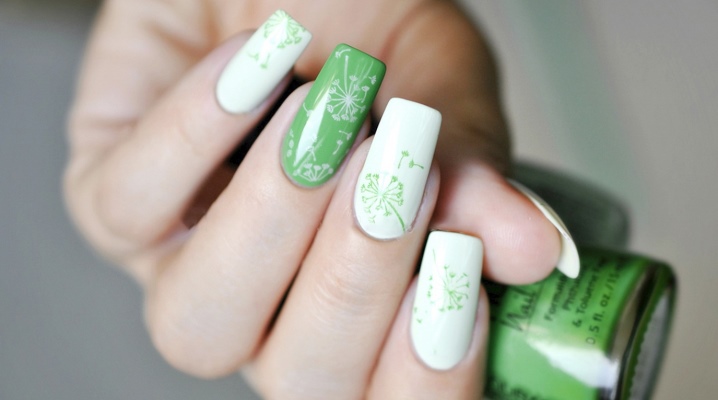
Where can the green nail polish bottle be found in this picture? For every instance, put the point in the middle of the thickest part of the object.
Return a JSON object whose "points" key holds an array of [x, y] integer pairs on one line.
{"points": [[599, 336]]}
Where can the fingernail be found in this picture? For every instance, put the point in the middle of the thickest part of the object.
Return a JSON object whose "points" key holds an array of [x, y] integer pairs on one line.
{"points": [[332, 114], [447, 296], [568, 262], [258, 67], [391, 183]]}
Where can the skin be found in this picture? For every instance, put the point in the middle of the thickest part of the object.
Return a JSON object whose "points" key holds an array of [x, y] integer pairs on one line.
{"points": [[216, 250]]}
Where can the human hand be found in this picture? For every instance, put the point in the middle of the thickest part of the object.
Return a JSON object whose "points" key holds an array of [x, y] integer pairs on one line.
{"points": [[155, 124]]}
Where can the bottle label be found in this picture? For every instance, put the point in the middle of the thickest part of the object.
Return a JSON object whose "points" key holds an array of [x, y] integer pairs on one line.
{"points": [[553, 339]]}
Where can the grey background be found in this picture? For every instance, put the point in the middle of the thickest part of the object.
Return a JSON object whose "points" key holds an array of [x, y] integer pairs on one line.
{"points": [[70, 325], [622, 94]]}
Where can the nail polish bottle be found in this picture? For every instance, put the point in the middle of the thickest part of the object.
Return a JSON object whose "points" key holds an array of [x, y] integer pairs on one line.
{"points": [[599, 336]]}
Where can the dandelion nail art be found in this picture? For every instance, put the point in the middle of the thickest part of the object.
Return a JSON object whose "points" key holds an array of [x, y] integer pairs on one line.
{"points": [[279, 32], [444, 310], [391, 184], [259, 66], [382, 197], [326, 126], [450, 290]]}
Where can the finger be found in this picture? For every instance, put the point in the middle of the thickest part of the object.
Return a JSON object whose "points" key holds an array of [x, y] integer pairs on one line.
{"points": [[473, 150], [142, 187], [226, 284], [339, 310], [401, 374], [522, 246]]}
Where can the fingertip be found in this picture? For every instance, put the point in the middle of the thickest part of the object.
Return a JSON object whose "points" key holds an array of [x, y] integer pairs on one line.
{"points": [[521, 245], [568, 261], [527, 245]]}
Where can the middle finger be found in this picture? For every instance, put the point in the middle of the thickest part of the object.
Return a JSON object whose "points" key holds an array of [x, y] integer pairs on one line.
{"points": [[209, 309], [337, 315]]}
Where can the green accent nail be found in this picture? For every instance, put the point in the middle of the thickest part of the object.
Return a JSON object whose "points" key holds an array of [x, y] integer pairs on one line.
{"points": [[326, 126]]}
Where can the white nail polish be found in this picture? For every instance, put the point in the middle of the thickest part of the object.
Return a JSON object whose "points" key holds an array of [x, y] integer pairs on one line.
{"points": [[252, 74], [568, 262], [447, 295], [391, 184]]}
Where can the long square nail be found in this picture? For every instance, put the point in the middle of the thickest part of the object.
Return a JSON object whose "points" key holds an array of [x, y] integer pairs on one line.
{"points": [[334, 110], [391, 184], [258, 67], [447, 296]]}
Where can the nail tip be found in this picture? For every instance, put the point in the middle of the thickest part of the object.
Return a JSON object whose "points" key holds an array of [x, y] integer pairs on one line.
{"points": [[569, 262], [418, 107], [235, 92], [341, 48]]}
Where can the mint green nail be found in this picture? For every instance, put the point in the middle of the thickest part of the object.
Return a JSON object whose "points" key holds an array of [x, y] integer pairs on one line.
{"points": [[332, 114]]}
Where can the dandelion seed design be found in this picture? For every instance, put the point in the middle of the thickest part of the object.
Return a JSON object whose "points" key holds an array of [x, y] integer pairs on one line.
{"points": [[339, 146], [281, 31], [339, 53], [412, 163], [331, 116], [381, 196], [348, 135], [450, 290], [290, 144], [404, 154], [348, 94], [284, 29], [314, 173]]}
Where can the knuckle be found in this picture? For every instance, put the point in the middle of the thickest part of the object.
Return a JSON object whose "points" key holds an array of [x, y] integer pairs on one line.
{"points": [[190, 343], [348, 293], [189, 130], [81, 192], [116, 212]]}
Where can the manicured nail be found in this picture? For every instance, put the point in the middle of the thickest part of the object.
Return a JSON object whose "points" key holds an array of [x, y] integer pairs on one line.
{"points": [[391, 183], [257, 68], [447, 295], [568, 262], [332, 114]]}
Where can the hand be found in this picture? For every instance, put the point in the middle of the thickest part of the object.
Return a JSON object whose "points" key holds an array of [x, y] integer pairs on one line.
{"points": [[147, 141]]}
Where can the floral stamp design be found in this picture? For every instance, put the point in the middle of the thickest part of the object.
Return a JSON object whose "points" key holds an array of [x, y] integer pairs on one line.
{"points": [[281, 31], [309, 170], [450, 290], [382, 196], [314, 173], [412, 163], [447, 290], [331, 116], [348, 94]]}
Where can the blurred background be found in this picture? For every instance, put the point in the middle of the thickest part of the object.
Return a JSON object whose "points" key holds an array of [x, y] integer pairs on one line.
{"points": [[620, 94]]}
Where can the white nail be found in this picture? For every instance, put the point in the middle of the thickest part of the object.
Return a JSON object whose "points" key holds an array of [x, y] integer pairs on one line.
{"points": [[568, 262], [391, 184], [447, 295], [257, 68]]}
